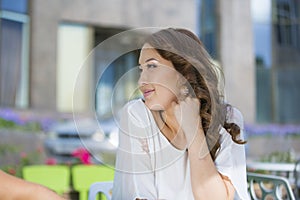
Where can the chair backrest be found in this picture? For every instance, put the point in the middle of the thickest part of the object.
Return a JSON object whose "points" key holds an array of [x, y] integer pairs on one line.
{"points": [[83, 176], [55, 177], [297, 178], [263, 186], [101, 187]]}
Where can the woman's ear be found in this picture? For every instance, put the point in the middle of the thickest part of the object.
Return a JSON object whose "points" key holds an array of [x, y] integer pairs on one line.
{"points": [[182, 85], [181, 80]]}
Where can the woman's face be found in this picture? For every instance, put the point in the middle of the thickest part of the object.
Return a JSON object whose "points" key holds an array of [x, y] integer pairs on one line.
{"points": [[158, 79]]}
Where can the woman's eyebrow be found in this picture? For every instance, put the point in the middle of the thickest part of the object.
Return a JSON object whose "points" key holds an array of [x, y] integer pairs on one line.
{"points": [[148, 60]]}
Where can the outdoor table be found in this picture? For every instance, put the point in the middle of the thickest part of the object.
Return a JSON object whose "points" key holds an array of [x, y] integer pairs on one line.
{"points": [[277, 168], [269, 166]]}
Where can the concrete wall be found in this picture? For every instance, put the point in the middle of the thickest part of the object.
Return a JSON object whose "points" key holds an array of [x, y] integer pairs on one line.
{"points": [[44, 19], [237, 55]]}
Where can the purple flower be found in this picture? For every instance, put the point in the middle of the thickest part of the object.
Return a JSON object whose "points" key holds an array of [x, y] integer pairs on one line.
{"points": [[272, 129], [26, 121], [9, 115], [46, 123]]}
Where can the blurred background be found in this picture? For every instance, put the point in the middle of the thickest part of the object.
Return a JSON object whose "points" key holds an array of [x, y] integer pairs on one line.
{"points": [[43, 45]]}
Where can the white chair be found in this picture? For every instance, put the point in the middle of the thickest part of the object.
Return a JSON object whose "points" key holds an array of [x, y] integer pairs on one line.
{"points": [[101, 187], [279, 187]]}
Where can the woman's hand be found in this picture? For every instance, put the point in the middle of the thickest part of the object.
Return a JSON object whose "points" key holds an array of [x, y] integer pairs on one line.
{"points": [[188, 117]]}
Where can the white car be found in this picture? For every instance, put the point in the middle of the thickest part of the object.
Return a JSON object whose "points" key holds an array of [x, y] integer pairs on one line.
{"points": [[100, 139]]}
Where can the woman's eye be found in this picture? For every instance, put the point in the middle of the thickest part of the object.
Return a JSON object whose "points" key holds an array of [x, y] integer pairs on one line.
{"points": [[150, 65]]}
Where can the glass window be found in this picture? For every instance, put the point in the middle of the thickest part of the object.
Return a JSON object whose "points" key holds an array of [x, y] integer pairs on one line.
{"points": [[207, 25], [14, 53], [286, 71], [13, 63], [19, 6], [117, 84], [277, 78], [288, 96], [262, 31], [114, 86], [10, 62], [287, 23]]}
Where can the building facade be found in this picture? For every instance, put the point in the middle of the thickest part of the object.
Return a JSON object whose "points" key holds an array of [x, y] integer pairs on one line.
{"points": [[277, 51], [57, 38]]}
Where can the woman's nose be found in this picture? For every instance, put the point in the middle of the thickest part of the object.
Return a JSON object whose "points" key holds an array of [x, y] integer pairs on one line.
{"points": [[142, 79]]}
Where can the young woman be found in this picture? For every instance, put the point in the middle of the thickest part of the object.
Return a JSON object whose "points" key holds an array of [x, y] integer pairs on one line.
{"points": [[181, 141]]}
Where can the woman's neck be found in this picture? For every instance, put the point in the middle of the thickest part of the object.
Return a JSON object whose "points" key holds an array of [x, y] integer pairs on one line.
{"points": [[170, 128], [170, 120]]}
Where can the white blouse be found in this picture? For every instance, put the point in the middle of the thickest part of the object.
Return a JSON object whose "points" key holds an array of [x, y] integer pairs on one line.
{"points": [[149, 167]]}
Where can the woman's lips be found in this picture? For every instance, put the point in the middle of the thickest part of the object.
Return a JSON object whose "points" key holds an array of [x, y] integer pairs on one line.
{"points": [[147, 93]]}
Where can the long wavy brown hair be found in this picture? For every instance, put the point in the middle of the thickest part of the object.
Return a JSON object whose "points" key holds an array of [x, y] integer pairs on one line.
{"points": [[189, 57]]}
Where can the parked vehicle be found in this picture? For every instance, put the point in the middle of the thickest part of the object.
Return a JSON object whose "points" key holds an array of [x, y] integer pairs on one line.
{"points": [[100, 139]]}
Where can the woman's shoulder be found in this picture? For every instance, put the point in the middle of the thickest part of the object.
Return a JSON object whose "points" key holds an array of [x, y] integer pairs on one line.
{"points": [[134, 105], [136, 110]]}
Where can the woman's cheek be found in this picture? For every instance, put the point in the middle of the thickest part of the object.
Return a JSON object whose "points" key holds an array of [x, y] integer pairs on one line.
{"points": [[167, 95]]}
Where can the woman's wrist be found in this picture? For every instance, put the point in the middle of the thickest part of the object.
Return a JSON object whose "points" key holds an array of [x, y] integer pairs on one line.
{"points": [[179, 141]]}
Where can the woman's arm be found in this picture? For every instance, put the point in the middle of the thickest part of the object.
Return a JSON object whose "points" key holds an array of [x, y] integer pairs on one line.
{"points": [[206, 181], [15, 188]]}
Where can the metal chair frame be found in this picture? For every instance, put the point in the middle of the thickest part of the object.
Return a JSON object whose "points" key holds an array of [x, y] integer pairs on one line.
{"points": [[278, 183]]}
